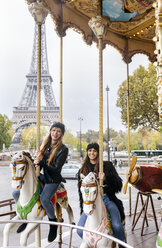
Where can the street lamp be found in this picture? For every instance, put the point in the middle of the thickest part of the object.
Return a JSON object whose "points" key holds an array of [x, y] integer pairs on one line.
{"points": [[80, 119], [108, 131]]}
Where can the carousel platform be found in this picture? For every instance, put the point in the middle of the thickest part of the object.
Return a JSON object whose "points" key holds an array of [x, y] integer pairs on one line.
{"points": [[134, 238]]}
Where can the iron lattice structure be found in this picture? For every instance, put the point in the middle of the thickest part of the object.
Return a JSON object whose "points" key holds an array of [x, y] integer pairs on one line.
{"points": [[25, 114]]}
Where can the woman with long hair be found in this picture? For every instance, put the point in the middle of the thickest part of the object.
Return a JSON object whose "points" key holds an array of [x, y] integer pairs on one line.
{"points": [[112, 185], [51, 157]]}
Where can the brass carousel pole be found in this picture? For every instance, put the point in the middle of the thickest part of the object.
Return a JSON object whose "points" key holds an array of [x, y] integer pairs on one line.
{"points": [[100, 106], [39, 12], [97, 27], [158, 43], [61, 55], [128, 123], [38, 91]]}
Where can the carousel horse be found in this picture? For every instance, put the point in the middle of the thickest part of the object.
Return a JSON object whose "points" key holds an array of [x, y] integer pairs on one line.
{"points": [[28, 206], [97, 217]]}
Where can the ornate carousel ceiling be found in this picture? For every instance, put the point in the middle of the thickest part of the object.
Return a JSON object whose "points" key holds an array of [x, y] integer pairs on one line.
{"points": [[129, 24]]}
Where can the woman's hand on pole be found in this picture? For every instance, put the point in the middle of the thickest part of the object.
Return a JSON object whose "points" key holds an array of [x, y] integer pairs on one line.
{"points": [[38, 158], [101, 176], [38, 154]]}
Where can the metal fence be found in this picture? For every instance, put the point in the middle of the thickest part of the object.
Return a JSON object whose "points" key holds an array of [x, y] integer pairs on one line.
{"points": [[71, 227]]}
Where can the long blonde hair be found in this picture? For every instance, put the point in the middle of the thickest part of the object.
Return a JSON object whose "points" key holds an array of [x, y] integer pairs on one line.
{"points": [[55, 148]]}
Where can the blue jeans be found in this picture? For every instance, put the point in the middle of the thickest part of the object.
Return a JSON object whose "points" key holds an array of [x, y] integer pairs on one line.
{"points": [[16, 194], [81, 222], [117, 226], [48, 192]]}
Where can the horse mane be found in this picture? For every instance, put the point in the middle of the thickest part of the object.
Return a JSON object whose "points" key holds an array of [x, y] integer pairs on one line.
{"points": [[28, 155], [30, 160]]}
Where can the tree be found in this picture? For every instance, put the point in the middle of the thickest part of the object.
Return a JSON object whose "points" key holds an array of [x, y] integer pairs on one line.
{"points": [[143, 99], [112, 133], [90, 136], [29, 136], [5, 131], [70, 140]]}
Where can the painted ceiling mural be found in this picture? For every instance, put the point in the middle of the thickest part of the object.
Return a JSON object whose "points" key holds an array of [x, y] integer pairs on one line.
{"points": [[114, 10]]}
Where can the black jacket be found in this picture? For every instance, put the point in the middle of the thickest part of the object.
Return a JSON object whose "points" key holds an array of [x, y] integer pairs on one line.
{"points": [[52, 172], [112, 184]]}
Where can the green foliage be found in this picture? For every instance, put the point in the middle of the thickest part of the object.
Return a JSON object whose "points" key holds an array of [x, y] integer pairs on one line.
{"points": [[144, 139], [29, 136], [70, 140], [120, 146], [112, 134], [143, 99], [5, 131], [90, 136]]}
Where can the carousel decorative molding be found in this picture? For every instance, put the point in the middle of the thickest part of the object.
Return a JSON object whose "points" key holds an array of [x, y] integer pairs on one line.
{"points": [[38, 11], [97, 26]]}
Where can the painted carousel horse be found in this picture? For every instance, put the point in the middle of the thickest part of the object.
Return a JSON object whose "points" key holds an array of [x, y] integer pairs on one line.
{"points": [[28, 206], [97, 217]]}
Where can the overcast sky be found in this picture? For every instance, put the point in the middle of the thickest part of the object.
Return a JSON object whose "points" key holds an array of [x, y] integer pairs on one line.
{"points": [[80, 69]]}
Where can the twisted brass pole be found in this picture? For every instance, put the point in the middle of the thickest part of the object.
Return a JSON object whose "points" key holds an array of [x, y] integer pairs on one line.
{"points": [[128, 123], [37, 232], [100, 107], [61, 55], [38, 90]]}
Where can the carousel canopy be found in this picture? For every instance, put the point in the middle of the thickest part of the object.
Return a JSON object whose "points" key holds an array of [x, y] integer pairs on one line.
{"points": [[129, 24]]}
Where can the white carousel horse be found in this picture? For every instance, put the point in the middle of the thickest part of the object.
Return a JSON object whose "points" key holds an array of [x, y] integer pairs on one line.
{"points": [[28, 206], [97, 218]]}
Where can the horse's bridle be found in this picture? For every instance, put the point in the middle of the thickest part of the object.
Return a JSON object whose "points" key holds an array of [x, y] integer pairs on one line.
{"points": [[88, 186], [26, 168]]}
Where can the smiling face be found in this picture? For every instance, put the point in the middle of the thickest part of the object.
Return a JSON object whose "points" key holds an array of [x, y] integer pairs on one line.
{"points": [[92, 154], [56, 134]]}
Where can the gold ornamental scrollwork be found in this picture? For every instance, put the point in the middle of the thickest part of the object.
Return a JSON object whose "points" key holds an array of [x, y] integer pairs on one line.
{"points": [[97, 26], [38, 11]]}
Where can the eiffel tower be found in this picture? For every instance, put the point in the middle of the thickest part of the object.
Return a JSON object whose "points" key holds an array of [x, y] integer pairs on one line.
{"points": [[25, 114]]}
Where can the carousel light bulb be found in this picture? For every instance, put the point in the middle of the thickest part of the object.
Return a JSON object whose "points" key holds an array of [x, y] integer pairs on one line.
{"points": [[154, 5], [156, 51], [155, 38], [155, 63]]}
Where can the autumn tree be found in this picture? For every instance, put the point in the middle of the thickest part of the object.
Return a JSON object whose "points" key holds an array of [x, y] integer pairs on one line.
{"points": [[90, 136], [112, 134], [70, 139], [143, 99], [29, 135], [5, 131]]}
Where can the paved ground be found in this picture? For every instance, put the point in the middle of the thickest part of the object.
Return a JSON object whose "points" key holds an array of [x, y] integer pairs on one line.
{"points": [[134, 238]]}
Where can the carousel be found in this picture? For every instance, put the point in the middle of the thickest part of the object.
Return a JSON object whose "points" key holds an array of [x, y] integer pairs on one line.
{"points": [[130, 26]]}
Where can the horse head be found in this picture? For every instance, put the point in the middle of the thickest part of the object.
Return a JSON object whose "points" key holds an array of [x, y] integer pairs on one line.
{"points": [[89, 189], [19, 165]]}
